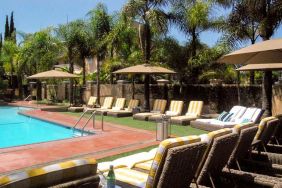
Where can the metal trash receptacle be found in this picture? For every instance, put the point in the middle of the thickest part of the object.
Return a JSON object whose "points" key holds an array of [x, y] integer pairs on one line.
{"points": [[163, 128]]}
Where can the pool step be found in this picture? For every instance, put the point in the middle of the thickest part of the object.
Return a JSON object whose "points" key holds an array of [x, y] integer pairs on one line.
{"points": [[76, 135]]}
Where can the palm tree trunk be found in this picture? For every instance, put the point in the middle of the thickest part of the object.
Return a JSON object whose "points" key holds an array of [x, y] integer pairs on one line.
{"points": [[267, 93], [83, 72], [39, 91], [252, 77], [71, 71], [147, 57], [98, 80]]}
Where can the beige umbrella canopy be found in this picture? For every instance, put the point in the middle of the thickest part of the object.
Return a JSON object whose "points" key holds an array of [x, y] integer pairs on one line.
{"points": [[269, 66], [144, 69], [262, 52], [52, 74]]}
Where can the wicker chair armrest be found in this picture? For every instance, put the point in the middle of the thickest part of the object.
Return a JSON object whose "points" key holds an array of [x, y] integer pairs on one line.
{"points": [[274, 148], [252, 179]]}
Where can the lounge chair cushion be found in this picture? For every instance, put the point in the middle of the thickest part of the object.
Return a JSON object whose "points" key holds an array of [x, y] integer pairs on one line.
{"points": [[175, 108], [207, 138], [92, 101], [183, 120], [131, 177], [247, 116], [171, 113], [128, 161], [52, 174], [239, 127], [159, 106], [143, 116], [195, 108], [262, 125], [133, 103], [108, 102], [145, 165], [237, 112], [119, 105]]}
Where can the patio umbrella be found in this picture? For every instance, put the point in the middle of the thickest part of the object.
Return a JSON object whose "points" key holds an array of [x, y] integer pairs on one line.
{"points": [[269, 51], [146, 69], [52, 74], [261, 67], [262, 52]]}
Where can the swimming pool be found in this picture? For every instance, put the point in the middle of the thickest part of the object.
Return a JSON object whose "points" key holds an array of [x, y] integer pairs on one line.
{"points": [[16, 129]]}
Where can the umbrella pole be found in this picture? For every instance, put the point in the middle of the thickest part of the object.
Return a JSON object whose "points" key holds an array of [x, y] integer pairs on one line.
{"points": [[133, 88], [238, 87], [147, 92]]}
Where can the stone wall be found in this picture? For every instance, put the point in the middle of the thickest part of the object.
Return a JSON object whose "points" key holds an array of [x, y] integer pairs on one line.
{"points": [[216, 98]]}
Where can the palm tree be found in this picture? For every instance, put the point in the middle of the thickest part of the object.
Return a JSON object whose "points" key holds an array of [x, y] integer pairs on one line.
{"points": [[269, 19], [193, 18], [68, 34], [82, 44], [99, 29], [151, 19], [241, 26]]}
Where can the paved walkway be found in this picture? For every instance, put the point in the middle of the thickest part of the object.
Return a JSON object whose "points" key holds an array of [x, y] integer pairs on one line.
{"points": [[113, 140]]}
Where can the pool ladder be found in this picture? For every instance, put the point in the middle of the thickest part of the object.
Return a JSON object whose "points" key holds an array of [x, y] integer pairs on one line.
{"points": [[86, 123]]}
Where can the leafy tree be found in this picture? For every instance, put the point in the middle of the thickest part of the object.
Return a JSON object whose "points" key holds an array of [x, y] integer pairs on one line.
{"points": [[38, 53], [99, 29], [8, 55]]}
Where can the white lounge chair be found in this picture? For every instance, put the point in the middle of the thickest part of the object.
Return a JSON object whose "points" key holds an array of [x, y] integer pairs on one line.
{"points": [[240, 114]]}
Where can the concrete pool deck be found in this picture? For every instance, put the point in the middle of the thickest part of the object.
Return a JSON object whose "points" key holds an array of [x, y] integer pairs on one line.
{"points": [[115, 139]]}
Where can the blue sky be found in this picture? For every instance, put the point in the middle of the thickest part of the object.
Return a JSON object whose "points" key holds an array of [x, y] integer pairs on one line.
{"points": [[33, 15]]}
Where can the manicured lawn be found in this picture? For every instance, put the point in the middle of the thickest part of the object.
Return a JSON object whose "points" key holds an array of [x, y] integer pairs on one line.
{"points": [[177, 130]]}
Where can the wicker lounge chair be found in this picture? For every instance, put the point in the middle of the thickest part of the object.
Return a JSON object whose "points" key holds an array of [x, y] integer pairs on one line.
{"points": [[75, 173], [107, 104], [237, 162], [240, 114], [175, 109], [133, 103], [223, 140], [218, 155], [90, 104], [166, 163], [267, 129], [158, 108], [119, 105], [193, 112], [277, 137]]}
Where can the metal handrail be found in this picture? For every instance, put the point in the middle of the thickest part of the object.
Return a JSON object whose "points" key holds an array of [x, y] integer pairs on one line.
{"points": [[92, 115], [79, 119], [27, 97]]}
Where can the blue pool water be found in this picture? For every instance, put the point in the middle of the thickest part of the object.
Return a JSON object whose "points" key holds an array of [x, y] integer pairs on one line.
{"points": [[16, 129]]}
